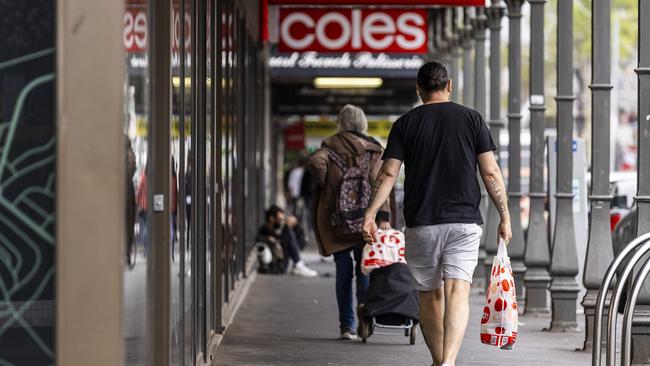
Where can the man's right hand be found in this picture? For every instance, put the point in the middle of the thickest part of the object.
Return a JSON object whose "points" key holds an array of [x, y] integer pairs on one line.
{"points": [[505, 231], [369, 229]]}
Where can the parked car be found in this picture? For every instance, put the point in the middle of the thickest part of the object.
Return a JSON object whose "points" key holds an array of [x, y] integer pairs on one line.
{"points": [[622, 188]]}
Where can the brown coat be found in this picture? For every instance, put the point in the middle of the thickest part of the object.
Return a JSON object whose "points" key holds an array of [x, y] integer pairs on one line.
{"points": [[344, 144]]}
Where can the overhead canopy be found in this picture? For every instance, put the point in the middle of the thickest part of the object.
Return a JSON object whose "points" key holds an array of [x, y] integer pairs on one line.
{"points": [[378, 2]]}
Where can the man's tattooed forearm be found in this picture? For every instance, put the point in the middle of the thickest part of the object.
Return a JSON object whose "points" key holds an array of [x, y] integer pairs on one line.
{"points": [[375, 189], [499, 198]]}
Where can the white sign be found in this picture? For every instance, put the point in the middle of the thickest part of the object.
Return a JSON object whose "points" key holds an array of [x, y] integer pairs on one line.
{"points": [[363, 60]]}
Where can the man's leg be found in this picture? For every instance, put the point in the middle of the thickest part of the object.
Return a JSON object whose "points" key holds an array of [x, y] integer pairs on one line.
{"points": [[290, 245], [456, 317], [432, 311]]}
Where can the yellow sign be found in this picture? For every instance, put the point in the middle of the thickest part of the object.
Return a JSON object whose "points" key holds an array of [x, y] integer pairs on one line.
{"points": [[323, 129]]}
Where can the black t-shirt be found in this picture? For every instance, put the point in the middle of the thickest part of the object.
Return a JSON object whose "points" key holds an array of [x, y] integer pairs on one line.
{"points": [[438, 144]]}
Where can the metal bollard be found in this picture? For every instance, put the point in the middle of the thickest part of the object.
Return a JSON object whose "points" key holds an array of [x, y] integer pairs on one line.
{"points": [[628, 314], [602, 295]]}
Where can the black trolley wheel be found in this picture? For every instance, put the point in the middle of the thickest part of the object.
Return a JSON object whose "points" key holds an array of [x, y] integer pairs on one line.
{"points": [[413, 335], [365, 330]]}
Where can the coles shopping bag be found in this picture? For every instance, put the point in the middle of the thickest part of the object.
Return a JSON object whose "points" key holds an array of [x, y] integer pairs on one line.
{"points": [[500, 317], [387, 248]]}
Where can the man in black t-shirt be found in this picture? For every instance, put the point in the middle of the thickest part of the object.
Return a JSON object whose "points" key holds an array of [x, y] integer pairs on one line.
{"points": [[441, 143]]}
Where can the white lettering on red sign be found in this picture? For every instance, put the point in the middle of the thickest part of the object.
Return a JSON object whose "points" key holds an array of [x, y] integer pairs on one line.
{"points": [[350, 30], [134, 34]]}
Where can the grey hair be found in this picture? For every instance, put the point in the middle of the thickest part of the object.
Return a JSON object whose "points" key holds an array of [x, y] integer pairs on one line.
{"points": [[352, 118]]}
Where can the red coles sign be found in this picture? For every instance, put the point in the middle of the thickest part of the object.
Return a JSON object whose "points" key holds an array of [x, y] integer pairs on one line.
{"points": [[353, 30]]}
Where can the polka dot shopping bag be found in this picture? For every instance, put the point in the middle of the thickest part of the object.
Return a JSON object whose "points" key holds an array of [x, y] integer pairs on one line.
{"points": [[387, 248], [500, 317]]}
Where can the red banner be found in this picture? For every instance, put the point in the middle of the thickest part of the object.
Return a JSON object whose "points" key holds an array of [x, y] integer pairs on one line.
{"points": [[379, 2], [294, 136], [353, 30]]}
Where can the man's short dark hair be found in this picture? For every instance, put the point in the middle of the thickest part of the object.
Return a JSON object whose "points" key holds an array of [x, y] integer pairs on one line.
{"points": [[432, 77], [273, 212]]}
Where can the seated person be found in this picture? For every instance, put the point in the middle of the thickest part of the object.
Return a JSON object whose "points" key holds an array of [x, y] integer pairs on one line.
{"points": [[279, 228]]}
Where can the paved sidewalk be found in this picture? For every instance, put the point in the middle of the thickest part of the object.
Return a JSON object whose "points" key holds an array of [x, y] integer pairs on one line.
{"points": [[288, 320]]}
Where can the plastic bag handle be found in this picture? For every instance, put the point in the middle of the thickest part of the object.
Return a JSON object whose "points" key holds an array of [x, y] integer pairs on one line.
{"points": [[502, 252]]}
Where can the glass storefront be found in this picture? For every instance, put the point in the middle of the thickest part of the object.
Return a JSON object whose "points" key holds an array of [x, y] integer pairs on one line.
{"points": [[217, 188]]}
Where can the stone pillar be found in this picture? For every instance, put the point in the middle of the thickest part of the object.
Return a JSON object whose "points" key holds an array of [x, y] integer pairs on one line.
{"points": [[564, 259], [479, 25], [494, 15], [599, 247], [467, 42], [517, 245], [641, 322], [537, 256]]}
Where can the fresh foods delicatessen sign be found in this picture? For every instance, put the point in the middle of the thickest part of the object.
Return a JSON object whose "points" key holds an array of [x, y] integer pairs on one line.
{"points": [[353, 30]]}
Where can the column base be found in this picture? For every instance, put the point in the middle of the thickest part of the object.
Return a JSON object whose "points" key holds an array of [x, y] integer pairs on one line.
{"points": [[487, 268], [537, 282], [564, 296], [589, 305], [479, 271], [519, 270]]}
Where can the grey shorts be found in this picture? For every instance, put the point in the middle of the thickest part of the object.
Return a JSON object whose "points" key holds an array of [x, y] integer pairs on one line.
{"points": [[438, 252]]}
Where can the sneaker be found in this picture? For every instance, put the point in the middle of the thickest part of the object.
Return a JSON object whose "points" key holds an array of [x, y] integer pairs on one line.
{"points": [[303, 271], [348, 335]]}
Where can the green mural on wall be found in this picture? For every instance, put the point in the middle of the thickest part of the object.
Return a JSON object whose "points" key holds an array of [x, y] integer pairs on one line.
{"points": [[27, 181]]}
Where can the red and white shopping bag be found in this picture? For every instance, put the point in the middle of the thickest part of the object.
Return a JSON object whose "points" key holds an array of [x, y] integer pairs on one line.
{"points": [[500, 318], [387, 248]]}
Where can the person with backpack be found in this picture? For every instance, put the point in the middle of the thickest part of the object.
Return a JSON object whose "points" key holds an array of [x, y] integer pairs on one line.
{"points": [[345, 168]]}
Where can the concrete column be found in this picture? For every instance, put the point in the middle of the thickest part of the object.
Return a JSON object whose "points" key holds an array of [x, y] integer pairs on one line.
{"points": [[641, 324], [479, 25], [537, 256], [564, 259], [599, 247], [517, 245], [467, 42], [494, 15], [90, 190]]}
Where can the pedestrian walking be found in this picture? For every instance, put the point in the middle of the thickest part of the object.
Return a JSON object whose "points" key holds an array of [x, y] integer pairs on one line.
{"points": [[441, 143], [345, 168]]}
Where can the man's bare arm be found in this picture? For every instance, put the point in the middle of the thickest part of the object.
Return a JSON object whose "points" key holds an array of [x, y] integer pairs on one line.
{"points": [[494, 184], [383, 185], [496, 188]]}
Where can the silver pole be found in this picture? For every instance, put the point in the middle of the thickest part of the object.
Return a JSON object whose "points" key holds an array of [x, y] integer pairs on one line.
{"points": [[537, 256], [494, 15], [616, 299], [642, 314], [599, 247], [479, 25], [517, 245], [602, 295], [453, 37], [564, 260], [630, 304], [468, 74]]}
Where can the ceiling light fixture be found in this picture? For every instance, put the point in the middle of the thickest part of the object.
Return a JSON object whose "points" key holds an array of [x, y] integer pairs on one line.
{"points": [[347, 82]]}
